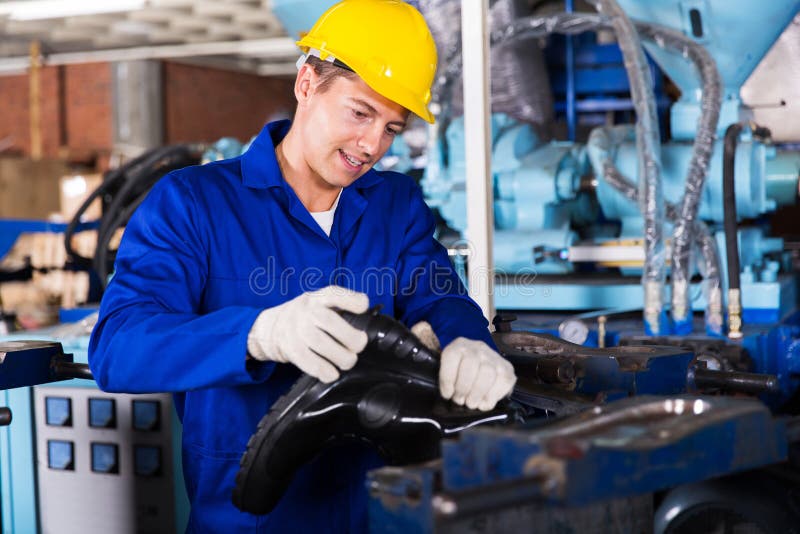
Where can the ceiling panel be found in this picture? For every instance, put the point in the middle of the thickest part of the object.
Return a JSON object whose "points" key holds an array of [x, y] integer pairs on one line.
{"points": [[179, 24]]}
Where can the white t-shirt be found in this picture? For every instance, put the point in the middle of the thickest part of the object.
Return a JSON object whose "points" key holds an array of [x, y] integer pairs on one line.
{"points": [[325, 218]]}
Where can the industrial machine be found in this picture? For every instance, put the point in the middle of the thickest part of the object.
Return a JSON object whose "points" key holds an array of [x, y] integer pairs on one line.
{"points": [[77, 459], [653, 206], [631, 414]]}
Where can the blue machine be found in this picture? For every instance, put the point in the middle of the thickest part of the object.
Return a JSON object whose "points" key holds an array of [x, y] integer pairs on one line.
{"points": [[571, 475], [75, 459], [635, 422], [542, 202], [566, 241], [551, 197]]}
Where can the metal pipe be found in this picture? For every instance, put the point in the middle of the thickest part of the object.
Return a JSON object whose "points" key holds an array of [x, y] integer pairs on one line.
{"points": [[65, 370], [454, 506], [5, 416], [546, 369], [570, 53], [734, 381]]}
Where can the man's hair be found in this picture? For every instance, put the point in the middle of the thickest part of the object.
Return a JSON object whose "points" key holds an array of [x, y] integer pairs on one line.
{"points": [[328, 72]]}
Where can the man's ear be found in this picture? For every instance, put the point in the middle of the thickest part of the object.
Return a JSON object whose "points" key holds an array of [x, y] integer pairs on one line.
{"points": [[305, 83]]}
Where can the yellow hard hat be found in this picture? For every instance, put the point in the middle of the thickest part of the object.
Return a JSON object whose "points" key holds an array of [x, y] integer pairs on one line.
{"points": [[386, 42]]}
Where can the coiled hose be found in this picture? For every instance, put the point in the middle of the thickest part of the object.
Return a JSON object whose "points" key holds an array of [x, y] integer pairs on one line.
{"points": [[122, 190]]}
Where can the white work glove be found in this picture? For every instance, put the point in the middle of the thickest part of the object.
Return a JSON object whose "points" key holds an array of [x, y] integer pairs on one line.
{"points": [[472, 373], [308, 333]]}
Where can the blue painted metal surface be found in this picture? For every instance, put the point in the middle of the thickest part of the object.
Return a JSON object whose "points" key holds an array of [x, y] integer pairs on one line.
{"points": [[633, 374], [28, 363], [17, 460], [534, 184], [633, 446], [757, 166], [763, 302], [570, 74], [776, 350], [10, 229], [400, 498], [589, 79], [297, 16], [727, 34], [772, 344], [72, 315], [17, 465]]}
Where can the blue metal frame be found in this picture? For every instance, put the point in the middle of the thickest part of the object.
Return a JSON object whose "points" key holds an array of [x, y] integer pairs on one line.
{"points": [[581, 460], [10, 229], [590, 78], [570, 59]]}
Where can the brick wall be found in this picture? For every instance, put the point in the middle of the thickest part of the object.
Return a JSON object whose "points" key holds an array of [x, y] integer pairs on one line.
{"points": [[14, 128], [89, 112], [203, 104], [75, 111]]}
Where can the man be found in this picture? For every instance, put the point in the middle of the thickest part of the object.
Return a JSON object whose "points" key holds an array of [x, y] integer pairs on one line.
{"points": [[228, 273]]}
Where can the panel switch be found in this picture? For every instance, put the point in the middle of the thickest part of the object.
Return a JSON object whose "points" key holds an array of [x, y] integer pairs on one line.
{"points": [[58, 411], [147, 460], [102, 413], [60, 455], [105, 458], [146, 415]]}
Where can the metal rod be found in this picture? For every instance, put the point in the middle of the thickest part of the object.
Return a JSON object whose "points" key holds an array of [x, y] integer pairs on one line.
{"points": [[735, 381], [570, 53], [65, 370], [486, 499]]}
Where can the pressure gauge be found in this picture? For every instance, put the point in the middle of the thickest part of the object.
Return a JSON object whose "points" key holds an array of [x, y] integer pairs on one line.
{"points": [[574, 331]]}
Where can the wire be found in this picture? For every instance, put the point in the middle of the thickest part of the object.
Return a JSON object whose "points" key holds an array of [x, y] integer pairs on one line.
{"points": [[122, 190]]}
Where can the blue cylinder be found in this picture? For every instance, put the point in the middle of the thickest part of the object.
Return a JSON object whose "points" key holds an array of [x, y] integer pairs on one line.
{"points": [[764, 180]]}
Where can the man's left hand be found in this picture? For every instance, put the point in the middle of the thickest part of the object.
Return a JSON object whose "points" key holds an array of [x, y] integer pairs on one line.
{"points": [[472, 373]]}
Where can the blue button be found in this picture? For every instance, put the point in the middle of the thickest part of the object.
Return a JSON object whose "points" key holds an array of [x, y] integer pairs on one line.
{"points": [[102, 413], [147, 460], [58, 411], [105, 458], [146, 415], [60, 455]]}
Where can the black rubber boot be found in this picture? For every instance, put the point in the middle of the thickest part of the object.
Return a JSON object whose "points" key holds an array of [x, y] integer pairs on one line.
{"points": [[390, 399]]}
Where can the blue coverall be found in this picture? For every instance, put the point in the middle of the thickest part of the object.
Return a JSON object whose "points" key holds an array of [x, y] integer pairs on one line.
{"points": [[212, 246]]}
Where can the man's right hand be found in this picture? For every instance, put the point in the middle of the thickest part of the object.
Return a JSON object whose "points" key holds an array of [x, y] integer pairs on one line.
{"points": [[307, 332]]}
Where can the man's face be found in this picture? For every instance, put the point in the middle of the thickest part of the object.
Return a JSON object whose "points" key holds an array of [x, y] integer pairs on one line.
{"points": [[347, 128]]}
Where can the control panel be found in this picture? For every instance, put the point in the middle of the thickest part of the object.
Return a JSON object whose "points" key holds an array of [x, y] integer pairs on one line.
{"points": [[105, 461]]}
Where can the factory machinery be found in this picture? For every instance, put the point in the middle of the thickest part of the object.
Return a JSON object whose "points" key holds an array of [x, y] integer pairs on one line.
{"points": [[639, 415], [630, 414]]}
